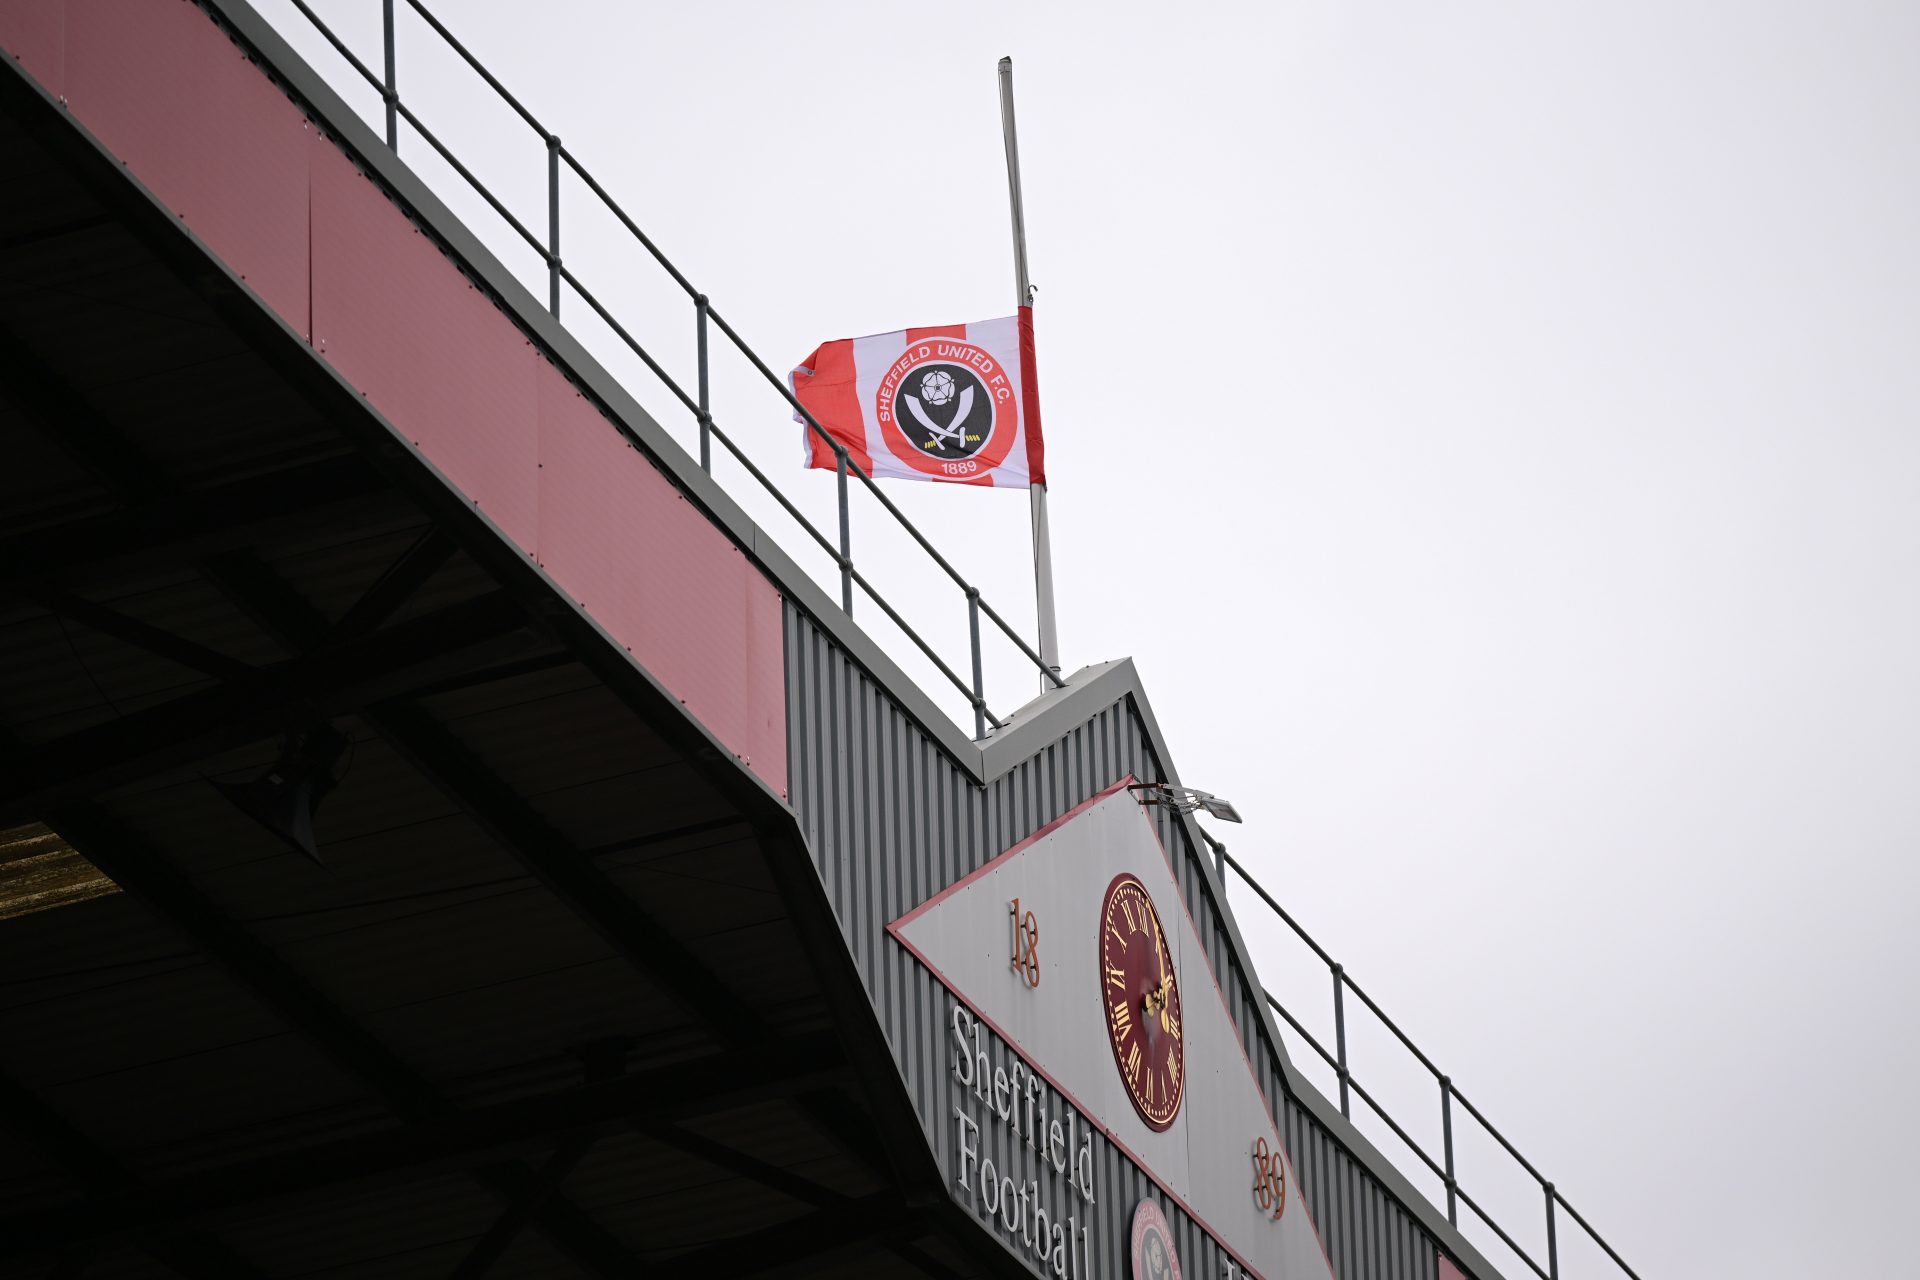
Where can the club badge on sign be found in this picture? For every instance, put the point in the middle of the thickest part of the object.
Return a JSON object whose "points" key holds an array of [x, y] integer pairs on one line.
{"points": [[1153, 1255]]}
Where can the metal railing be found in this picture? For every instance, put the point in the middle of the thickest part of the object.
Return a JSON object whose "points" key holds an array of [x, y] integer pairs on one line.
{"points": [[1349, 1088], [705, 320]]}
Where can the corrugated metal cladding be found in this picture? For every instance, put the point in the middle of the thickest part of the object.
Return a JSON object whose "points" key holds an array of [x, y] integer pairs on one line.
{"points": [[892, 819]]}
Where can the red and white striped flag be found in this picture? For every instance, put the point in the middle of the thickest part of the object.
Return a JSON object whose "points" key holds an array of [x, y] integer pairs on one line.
{"points": [[957, 403]]}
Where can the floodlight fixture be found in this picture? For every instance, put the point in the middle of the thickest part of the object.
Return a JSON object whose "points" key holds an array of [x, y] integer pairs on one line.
{"points": [[1186, 800], [284, 798]]}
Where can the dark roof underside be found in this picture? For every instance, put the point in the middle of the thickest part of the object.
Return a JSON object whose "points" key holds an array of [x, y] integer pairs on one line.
{"points": [[549, 1006]]}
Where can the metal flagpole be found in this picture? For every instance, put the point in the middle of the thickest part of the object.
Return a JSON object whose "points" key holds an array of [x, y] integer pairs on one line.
{"points": [[1023, 290]]}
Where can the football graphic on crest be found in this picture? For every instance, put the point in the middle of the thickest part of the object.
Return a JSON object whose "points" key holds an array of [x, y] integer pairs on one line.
{"points": [[936, 387]]}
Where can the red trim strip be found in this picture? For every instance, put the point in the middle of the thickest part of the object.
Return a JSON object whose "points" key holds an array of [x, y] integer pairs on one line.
{"points": [[975, 874], [1030, 401]]}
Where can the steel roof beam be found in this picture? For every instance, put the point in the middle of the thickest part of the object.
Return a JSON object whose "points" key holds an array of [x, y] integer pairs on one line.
{"points": [[162, 532], [507, 1228], [191, 1253], [510, 822], [391, 589], [158, 514], [286, 696], [784, 1181], [844, 1231], [572, 875], [566, 872], [141, 635], [143, 872], [73, 425], [485, 1137]]}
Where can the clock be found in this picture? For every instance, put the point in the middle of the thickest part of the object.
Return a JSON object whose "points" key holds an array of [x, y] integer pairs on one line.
{"points": [[1140, 1001]]}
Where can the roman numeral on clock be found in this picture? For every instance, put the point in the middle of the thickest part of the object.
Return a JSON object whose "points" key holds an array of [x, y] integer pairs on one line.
{"points": [[1122, 1019]]}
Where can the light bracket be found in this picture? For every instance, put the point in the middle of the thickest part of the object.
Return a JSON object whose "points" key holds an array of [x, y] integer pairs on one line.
{"points": [[1186, 800]]}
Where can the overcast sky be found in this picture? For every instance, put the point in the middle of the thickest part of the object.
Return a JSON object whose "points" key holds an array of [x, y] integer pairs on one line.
{"points": [[1493, 431]]}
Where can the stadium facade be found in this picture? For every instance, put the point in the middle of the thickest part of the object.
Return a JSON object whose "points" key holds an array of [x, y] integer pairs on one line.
{"points": [[660, 924]]}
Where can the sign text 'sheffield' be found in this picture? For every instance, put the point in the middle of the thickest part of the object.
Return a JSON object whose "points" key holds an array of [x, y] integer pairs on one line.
{"points": [[1034, 1113]]}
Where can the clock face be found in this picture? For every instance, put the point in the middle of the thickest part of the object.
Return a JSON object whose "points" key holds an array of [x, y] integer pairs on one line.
{"points": [[1141, 997]]}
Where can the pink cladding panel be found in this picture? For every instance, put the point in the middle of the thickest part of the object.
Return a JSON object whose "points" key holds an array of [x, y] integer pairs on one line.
{"points": [[166, 91], [401, 323], [661, 578], [33, 33], [193, 119]]}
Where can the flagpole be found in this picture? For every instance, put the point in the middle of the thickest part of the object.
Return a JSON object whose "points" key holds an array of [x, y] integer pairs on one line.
{"points": [[1023, 292]]}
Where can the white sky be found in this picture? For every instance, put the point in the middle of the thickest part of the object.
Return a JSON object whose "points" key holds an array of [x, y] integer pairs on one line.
{"points": [[1492, 430]]}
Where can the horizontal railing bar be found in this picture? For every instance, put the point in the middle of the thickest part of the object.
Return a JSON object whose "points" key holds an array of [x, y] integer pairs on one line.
{"points": [[1595, 1236], [1014, 636], [1498, 1137], [1505, 1239], [1276, 908], [1304, 1034], [1426, 1062], [786, 393], [873, 487], [726, 442], [474, 62], [1413, 1146], [339, 47], [614, 208], [1390, 1025], [480, 187], [965, 689], [1360, 1092], [633, 343]]}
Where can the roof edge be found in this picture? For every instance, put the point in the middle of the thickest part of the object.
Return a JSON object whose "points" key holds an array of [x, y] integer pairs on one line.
{"points": [[625, 412]]}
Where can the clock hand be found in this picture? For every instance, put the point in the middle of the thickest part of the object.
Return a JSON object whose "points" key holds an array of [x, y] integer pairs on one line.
{"points": [[1165, 984]]}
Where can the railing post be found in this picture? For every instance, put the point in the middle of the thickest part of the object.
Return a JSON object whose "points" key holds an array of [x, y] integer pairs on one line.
{"points": [[1340, 1035], [553, 223], [846, 533], [706, 409], [979, 683], [1446, 1134], [392, 90], [1553, 1246]]}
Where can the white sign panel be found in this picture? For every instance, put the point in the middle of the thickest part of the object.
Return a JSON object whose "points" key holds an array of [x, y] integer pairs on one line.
{"points": [[1075, 947]]}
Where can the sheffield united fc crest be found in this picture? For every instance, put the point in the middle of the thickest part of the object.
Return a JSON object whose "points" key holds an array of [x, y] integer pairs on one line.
{"points": [[1153, 1255], [946, 408]]}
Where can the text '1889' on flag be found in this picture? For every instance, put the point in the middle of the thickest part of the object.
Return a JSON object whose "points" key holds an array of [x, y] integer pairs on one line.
{"points": [[957, 403]]}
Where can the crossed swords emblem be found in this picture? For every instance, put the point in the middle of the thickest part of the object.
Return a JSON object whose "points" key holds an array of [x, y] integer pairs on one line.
{"points": [[949, 434]]}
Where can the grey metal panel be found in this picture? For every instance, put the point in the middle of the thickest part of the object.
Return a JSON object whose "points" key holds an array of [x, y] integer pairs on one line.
{"points": [[891, 817]]}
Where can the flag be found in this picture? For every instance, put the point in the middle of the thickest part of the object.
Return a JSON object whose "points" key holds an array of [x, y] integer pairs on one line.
{"points": [[955, 403]]}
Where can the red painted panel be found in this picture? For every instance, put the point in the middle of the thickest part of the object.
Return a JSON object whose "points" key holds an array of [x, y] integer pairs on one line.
{"points": [[429, 350], [1447, 1270], [34, 32], [167, 92], [204, 129], [661, 578]]}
